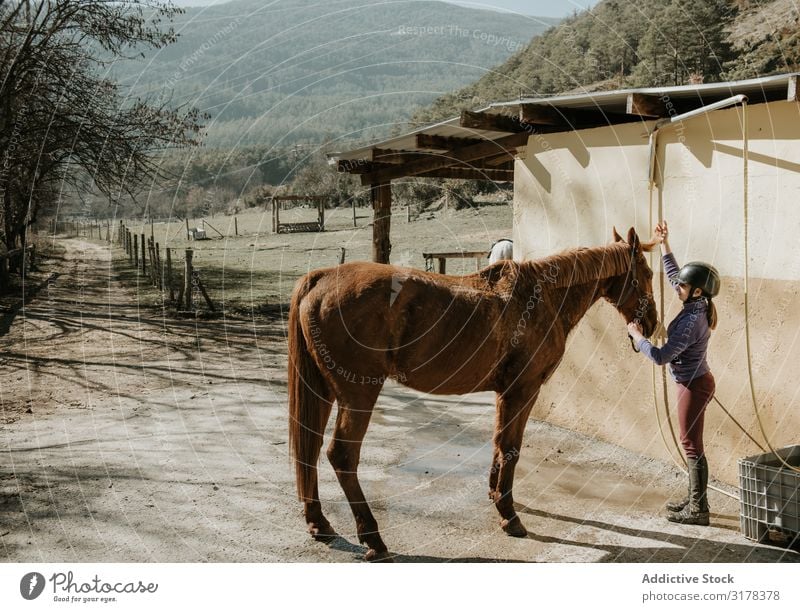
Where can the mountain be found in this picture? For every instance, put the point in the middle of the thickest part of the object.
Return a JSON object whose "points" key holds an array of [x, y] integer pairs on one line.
{"points": [[619, 44], [291, 71]]}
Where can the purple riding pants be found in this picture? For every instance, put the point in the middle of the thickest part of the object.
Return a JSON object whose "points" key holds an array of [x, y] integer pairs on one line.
{"points": [[693, 397]]}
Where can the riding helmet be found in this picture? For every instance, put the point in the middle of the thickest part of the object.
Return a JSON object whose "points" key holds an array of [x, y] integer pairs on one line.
{"points": [[701, 275]]}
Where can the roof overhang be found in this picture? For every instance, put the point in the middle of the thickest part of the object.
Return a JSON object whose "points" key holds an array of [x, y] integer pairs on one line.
{"points": [[482, 144]]}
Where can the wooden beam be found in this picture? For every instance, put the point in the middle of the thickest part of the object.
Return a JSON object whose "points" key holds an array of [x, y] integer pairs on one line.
{"points": [[354, 166], [476, 174], [546, 118], [359, 166], [467, 154], [444, 143], [381, 195], [494, 123], [392, 156], [645, 105], [540, 114]]}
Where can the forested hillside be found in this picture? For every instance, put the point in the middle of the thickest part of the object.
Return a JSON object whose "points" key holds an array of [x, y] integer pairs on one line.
{"points": [[310, 70], [620, 43]]}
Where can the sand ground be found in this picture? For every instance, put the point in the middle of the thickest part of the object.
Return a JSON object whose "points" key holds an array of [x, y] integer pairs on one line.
{"points": [[126, 436]]}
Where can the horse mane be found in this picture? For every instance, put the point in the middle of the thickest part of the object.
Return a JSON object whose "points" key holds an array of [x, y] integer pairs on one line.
{"points": [[580, 266], [565, 269]]}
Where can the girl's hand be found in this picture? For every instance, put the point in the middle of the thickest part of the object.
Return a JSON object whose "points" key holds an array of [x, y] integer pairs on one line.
{"points": [[661, 232], [635, 330]]}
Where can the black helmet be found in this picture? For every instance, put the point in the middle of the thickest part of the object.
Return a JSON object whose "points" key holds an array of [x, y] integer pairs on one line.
{"points": [[701, 275]]}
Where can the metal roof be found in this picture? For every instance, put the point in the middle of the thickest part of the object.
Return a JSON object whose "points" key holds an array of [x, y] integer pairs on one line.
{"points": [[612, 106]]}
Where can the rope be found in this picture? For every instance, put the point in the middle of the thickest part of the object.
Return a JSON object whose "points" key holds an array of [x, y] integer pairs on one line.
{"points": [[745, 157], [651, 185], [682, 468]]}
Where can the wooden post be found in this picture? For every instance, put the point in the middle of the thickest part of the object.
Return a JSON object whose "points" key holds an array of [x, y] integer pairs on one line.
{"points": [[187, 228], [408, 213], [203, 292], [151, 251], [187, 280], [354, 213], [341, 257], [170, 287], [152, 230], [321, 214], [144, 258], [159, 269], [381, 196], [136, 251], [275, 216], [442, 265], [3, 272], [236, 226]]}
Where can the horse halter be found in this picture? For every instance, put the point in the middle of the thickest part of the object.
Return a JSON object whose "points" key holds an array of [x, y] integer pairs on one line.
{"points": [[628, 287]]}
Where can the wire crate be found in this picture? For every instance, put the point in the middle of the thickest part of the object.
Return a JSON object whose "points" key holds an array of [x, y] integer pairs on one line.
{"points": [[770, 500]]}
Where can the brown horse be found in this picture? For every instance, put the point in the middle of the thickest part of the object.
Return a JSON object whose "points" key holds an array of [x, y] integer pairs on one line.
{"points": [[502, 329]]}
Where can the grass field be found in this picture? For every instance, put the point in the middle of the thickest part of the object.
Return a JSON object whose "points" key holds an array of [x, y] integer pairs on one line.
{"points": [[258, 268]]}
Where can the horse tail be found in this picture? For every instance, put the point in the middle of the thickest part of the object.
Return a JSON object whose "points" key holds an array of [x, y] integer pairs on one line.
{"points": [[307, 391]]}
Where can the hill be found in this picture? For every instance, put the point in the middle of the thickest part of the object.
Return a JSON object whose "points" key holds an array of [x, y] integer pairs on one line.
{"points": [[620, 44], [306, 70]]}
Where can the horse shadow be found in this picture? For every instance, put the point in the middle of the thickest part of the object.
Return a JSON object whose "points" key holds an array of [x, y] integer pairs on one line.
{"points": [[677, 548]]}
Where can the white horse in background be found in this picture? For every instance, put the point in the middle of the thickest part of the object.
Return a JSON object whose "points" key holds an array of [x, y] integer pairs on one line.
{"points": [[502, 249]]}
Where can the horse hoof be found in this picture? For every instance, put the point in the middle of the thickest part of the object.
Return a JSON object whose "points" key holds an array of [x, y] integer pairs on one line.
{"points": [[322, 533], [373, 556], [514, 527]]}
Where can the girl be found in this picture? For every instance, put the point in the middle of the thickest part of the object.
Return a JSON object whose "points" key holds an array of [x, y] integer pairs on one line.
{"points": [[685, 351]]}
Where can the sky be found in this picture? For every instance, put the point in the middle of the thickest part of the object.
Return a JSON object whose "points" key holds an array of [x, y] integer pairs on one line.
{"points": [[539, 8]]}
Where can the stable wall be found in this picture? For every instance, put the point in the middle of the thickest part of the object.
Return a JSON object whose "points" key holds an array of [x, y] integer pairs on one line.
{"points": [[572, 188]]}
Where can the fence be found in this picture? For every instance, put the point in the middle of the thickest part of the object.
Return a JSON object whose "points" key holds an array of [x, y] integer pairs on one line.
{"points": [[144, 253], [90, 229]]}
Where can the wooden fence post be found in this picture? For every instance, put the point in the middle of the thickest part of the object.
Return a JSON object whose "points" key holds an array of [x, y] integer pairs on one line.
{"points": [[159, 269], [151, 252], [187, 280], [236, 226], [187, 228], [170, 287], [136, 251], [144, 258]]}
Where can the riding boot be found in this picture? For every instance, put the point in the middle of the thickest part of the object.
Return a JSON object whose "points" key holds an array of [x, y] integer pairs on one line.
{"points": [[696, 511], [677, 505]]}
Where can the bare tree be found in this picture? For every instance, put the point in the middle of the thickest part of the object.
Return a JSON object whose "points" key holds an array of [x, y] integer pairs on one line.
{"points": [[64, 125]]}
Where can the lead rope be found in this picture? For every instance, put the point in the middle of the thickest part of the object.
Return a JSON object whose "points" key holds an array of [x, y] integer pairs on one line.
{"points": [[682, 468], [746, 156], [651, 185]]}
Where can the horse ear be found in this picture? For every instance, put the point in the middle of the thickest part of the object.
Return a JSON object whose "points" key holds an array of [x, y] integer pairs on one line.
{"points": [[633, 240], [617, 237]]}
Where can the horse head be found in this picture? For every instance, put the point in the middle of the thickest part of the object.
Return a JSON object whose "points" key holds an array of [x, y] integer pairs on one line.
{"points": [[631, 291]]}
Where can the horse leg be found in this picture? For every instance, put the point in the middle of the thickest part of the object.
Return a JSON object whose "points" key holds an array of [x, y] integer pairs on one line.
{"points": [[344, 453], [513, 408], [318, 526]]}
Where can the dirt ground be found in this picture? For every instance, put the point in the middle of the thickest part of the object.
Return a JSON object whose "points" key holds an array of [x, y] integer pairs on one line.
{"points": [[129, 437]]}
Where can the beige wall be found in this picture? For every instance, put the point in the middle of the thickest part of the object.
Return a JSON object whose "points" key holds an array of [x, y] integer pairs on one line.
{"points": [[571, 188]]}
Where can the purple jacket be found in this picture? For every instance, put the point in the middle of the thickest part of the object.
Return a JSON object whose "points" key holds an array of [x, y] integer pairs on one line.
{"points": [[687, 336]]}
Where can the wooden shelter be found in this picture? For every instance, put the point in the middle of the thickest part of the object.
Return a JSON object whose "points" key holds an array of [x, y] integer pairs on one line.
{"points": [[484, 144]]}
